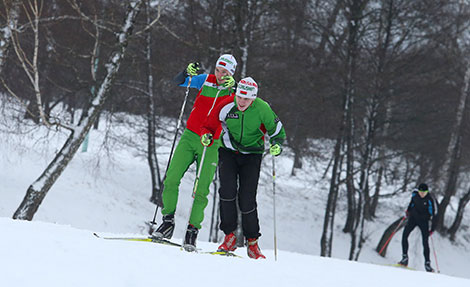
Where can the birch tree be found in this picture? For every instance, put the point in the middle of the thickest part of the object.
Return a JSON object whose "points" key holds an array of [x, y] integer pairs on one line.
{"points": [[40, 187], [11, 12]]}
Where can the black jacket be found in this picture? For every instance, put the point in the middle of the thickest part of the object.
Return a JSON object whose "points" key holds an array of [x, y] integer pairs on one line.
{"points": [[423, 209]]}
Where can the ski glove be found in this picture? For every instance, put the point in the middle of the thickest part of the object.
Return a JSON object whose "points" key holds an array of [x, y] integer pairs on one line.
{"points": [[206, 139], [275, 149], [229, 82], [192, 69]]}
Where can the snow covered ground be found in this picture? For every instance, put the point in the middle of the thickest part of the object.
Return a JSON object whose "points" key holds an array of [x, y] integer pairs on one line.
{"points": [[106, 190], [45, 254]]}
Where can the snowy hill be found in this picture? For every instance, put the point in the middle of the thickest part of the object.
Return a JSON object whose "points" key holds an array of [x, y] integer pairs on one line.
{"points": [[106, 190], [44, 254]]}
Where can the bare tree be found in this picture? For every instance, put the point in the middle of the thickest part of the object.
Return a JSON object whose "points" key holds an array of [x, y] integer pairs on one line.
{"points": [[464, 200], [450, 168], [33, 10], [451, 165], [151, 119], [11, 21], [39, 188]]}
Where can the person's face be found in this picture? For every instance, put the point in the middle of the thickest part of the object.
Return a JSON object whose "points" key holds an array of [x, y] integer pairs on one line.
{"points": [[243, 103], [221, 72], [422, 193]]}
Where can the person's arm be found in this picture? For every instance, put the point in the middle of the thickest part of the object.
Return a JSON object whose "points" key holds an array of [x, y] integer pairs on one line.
{"points": [[410, 205], [273, 126], [182, 79], [217, 115], [196, 82], [435, 209]]}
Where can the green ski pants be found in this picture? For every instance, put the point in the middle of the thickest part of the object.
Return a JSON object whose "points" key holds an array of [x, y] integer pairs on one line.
{"points": [[188, 150]]}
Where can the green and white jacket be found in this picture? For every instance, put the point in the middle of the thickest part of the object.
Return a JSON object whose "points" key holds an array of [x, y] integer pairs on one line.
{"points": [[245, 131]]}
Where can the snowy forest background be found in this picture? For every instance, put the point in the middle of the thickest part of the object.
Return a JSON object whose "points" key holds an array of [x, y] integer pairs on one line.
{"points": [[384, 83]]}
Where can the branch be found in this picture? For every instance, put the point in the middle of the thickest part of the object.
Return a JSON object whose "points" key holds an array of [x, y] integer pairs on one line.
{"points": [[151, 23]]}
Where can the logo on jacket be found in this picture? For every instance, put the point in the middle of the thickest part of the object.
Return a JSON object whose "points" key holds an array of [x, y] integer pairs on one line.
{"points": [[232, 116]]}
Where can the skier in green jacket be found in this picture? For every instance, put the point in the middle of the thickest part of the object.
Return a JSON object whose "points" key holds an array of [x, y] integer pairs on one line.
{"points": [[213, 88], [246, 120]]}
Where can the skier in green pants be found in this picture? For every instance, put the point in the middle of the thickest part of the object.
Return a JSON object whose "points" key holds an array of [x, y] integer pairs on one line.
{"points": [[213, 88]]}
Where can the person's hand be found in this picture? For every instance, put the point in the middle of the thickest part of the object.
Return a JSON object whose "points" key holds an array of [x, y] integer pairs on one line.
{"points": [[407, 214], [206, 139], [275, 149], [229, 82], [192, 69]]}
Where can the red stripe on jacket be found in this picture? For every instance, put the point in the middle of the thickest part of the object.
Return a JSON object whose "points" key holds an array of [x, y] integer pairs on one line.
{"points": [[201, 108]]}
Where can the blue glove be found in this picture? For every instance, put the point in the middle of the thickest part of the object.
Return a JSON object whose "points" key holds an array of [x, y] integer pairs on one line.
{"points": [[275, 149]]}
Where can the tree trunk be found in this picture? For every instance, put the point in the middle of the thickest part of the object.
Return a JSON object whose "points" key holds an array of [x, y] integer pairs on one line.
{"points": [[459, 216], [326, 241], [450, 167], [354, 20], [382, 160], [38, 190], [345, 133], [296, 145], [152, 159], [12, 13]]}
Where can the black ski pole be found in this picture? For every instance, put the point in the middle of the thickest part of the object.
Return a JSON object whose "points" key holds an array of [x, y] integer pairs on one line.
{"points": [[178, 124], [196, 183], [274, 209]]}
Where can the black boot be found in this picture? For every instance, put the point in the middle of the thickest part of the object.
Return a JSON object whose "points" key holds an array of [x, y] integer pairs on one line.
{"points": [[165, 230], [428, 267], [404, 260], [190, 238]]}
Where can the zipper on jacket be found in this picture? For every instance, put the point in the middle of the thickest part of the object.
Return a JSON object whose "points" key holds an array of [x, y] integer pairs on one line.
{"points": [[241, 132]]}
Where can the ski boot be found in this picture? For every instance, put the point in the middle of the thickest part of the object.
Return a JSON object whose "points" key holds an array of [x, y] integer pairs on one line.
{"points": [[428, 267], [165, 230], [253, 249], [190, 238], [229, 244], [404, 260]]}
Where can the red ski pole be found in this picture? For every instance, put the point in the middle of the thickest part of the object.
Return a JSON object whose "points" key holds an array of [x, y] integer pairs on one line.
{"points": [[435, 256], [393, 233]]}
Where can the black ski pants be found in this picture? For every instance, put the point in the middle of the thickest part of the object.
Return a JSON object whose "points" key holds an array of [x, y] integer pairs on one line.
{"points": [[424, 227], [239, 174]]}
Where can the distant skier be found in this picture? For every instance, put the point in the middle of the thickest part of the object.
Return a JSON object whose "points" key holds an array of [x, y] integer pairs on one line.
{"points": [[245, 120], [213, 88], [421, 212]]}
